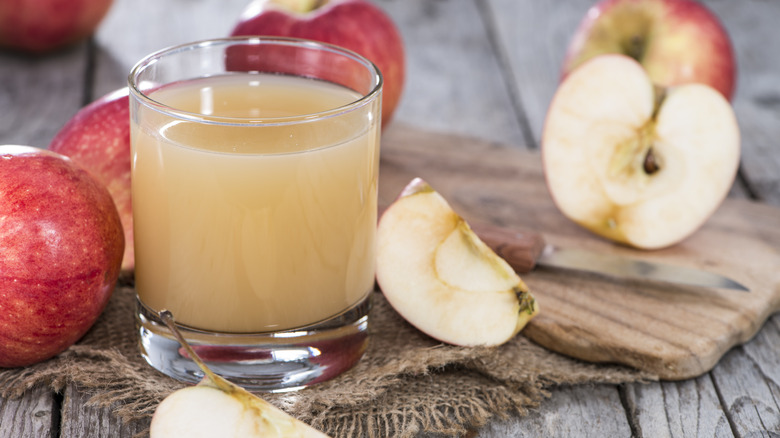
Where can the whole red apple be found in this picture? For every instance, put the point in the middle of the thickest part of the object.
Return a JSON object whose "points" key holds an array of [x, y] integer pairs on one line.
{"points": [[357, 25], [676, 41], [44, 25], [98, 139], [62, 246]]}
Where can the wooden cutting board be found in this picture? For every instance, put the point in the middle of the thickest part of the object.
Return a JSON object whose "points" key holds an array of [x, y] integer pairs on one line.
{"points": [[673, 332]]}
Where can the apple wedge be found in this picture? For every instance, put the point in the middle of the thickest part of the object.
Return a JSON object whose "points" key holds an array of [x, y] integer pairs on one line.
{"points": [[440, 277], [635, 163], [216, 407]]}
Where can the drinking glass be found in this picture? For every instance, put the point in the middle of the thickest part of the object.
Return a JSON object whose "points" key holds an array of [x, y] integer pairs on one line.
{"points": [[254, 183]]}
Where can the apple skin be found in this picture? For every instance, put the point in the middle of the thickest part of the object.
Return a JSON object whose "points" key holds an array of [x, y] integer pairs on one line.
{"points": [[98, 139], [62, 249], [357, 25], [39, 26], [676, 41]]}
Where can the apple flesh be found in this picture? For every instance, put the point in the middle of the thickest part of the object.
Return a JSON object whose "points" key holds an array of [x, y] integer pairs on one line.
{"points": [[39, 26], [62, 246], [676, 41], [635, 163], [216, 407], [439, 276], [357, 25], [98, 139]]}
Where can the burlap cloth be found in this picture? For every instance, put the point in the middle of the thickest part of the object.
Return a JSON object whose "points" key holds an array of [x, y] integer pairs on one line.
{"points": [[406, 383]]}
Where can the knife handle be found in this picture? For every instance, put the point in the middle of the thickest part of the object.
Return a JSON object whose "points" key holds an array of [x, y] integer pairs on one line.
{"points": [[519, 247]]}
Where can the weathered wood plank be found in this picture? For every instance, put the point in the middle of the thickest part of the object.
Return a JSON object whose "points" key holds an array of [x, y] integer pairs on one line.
{"points": [[453, 80], [38, 94], [754, 33], [571, 411], [532, 37], [80, 419], [31, 416], [682, 409], [748, 381]]}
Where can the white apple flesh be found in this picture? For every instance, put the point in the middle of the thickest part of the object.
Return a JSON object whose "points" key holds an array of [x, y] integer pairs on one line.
{"points": [[635, 163], [216, 407], [440, 277]]}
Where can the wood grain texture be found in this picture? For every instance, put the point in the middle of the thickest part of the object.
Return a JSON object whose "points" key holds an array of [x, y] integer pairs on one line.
{"points": [[29, 417], [674, 332], [757, 98], [747, 381], [81, 419], [685, 409], [39, 94], [533, 58], [587, 411], [451, 62]]}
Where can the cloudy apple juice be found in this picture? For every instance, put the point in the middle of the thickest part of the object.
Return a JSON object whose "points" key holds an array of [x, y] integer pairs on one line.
{"points": [[247, 217], [254, 190]]}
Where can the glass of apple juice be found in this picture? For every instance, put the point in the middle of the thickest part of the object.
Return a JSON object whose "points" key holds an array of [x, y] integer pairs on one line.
{"points": [[254, 183]]}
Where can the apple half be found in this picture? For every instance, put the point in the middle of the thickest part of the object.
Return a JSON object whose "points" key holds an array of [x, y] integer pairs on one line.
{"points": [[639, 164], [440, 277]]}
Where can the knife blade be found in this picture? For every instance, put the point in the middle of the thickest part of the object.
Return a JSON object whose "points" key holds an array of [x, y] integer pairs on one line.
{"points": [[526, 249]]}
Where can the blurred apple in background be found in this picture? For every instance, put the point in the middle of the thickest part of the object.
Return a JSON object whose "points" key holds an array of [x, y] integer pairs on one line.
{"points": [[62, 246], [43, 25], [634, 162], [676, 41], [357, 25], [98, 139]]}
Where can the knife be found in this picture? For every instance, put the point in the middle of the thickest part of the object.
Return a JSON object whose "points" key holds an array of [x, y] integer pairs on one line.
{"points": [[526, 249]]}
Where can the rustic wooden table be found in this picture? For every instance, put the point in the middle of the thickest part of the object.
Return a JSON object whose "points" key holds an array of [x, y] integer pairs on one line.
{"points": [[480, 68]]}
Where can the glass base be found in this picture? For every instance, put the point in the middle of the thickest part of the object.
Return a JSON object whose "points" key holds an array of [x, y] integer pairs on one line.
{"points": [[273, 362]]}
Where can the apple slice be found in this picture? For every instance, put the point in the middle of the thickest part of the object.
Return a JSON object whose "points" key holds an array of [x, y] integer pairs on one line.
{"points": [[635, 163], [440, 277], [216, 407]]}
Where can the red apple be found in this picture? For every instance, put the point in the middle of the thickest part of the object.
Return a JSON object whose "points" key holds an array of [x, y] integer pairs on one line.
{"points": [[44, 25], [98, 139], [357, 25], [62, 246], [675, 41]]}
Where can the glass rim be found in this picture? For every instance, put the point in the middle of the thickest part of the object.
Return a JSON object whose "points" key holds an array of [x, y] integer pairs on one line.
{"points": [[148, 60]]}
